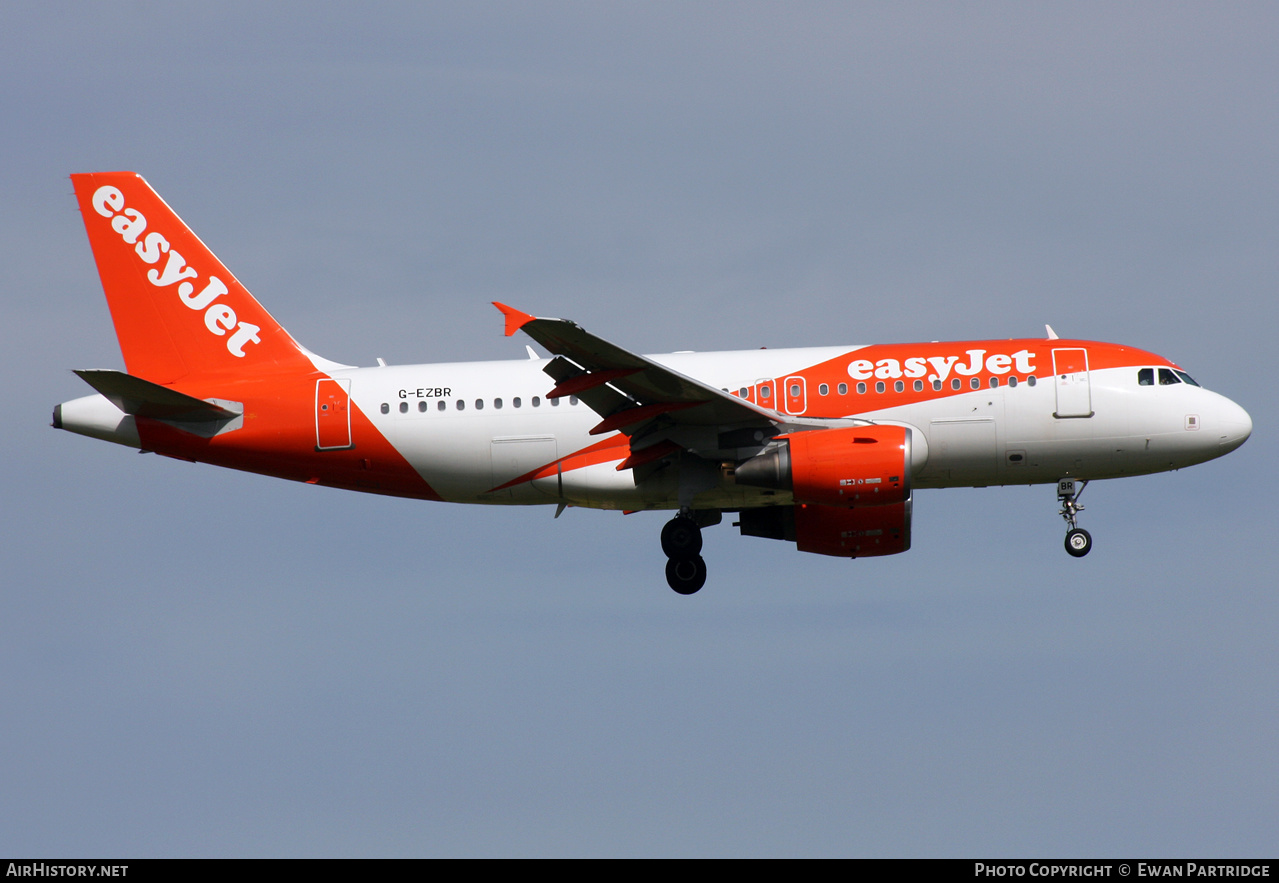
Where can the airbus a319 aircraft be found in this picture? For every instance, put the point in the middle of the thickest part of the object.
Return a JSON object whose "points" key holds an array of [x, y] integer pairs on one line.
{"points": [[822, 447]]}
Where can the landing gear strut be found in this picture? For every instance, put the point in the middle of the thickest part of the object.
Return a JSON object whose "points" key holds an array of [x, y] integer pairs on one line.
{"points": [[1078, 540], [682, 543]]}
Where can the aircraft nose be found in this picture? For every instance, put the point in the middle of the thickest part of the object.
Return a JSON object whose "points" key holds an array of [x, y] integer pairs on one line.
{"points": [[1236, 426]]}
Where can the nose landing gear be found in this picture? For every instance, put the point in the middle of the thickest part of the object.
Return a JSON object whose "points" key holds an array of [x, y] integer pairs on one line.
{"points": [[682, 543], [1078, 540]]}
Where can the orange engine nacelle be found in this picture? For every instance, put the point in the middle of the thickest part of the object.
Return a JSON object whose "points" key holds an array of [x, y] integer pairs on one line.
{"points": [[833, 530], [853, 533], [848, 468]]}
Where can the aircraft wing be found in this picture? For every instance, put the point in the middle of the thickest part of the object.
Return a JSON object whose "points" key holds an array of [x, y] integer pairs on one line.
{"points": [[647, 401]]}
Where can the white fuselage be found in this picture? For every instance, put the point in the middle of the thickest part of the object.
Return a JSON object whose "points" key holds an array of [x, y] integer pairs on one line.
{"points": [[469, 427]]}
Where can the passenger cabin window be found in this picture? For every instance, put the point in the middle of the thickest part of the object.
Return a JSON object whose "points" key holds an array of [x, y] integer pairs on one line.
{"points": [[461, 405], [861, 389], [919, 386], [994, 382], [1146, 377], [899, 386], [1012, 381], [479, 404], [537, 402], [879, 386], [822, 389], [956, 383], [975, 383], [497, 403], [572, 400], [1030, 381], [421, 406], [936, 385], [843, 389], [515, 402], [404, 407], [1167, 377], [441, 405], [386, 409]]}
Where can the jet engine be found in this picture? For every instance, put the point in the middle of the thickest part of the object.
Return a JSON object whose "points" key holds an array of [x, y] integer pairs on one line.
{"points": [[851, 488], [849, 467]]}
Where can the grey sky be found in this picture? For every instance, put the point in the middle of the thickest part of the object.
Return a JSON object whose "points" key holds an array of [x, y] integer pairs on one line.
{"points": [[199, 662]]}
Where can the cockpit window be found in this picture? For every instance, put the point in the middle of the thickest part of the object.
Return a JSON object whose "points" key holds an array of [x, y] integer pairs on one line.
{"points": [[1186, 377], [1146, 377], [1167, 377]]}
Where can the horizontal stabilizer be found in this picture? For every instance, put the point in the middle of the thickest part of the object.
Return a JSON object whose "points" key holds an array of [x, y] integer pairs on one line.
{"points": [[142, 398]]}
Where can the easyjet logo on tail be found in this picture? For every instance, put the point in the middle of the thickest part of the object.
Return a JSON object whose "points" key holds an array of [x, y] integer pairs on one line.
{"points": [[131, 224]]}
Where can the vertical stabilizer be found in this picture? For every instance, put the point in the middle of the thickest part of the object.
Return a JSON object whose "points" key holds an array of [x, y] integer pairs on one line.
{"points": [[178, 312]]}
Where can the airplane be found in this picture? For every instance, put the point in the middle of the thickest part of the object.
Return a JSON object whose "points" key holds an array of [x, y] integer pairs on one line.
{"points": [[822, 447]]}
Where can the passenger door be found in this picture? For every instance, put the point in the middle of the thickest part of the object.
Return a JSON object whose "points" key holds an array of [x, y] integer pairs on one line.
{"points": [[1070, 378], [333, 414]]}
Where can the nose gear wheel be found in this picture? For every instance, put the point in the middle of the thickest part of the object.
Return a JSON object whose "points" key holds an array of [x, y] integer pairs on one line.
{"points": [[1078, 540]]}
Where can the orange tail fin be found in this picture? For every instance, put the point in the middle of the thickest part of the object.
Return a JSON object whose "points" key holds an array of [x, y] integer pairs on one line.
{"points": [[178, 312]]}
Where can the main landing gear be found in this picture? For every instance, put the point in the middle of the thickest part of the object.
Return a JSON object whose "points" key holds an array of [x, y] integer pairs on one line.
{"points": [[682, 543], [1078, 540]]}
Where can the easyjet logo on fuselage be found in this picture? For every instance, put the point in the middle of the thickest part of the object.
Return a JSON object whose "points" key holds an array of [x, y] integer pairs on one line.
{"points": [[131, 224], [969, 364]]}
